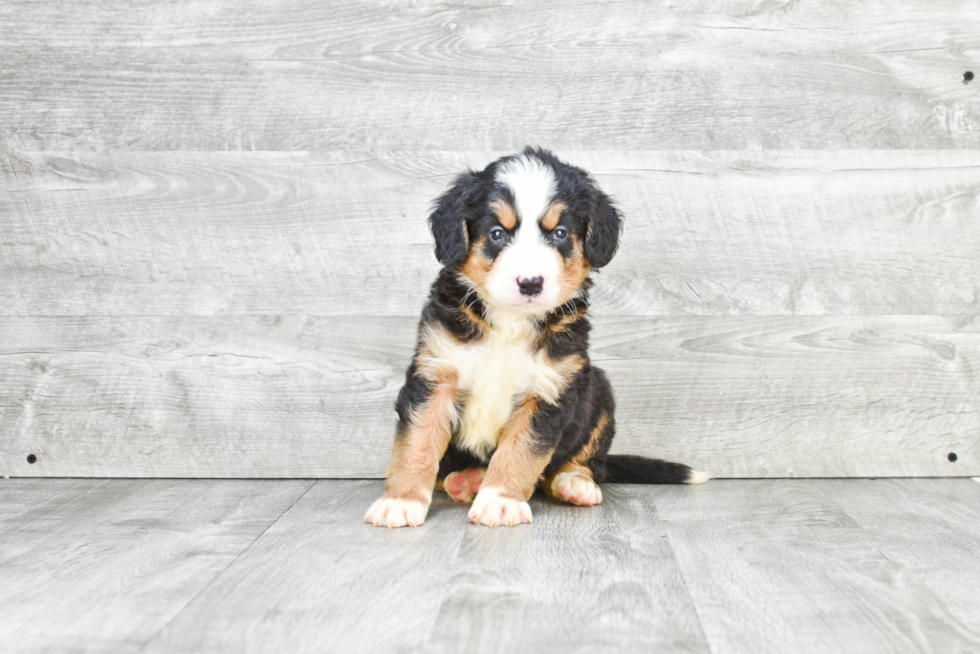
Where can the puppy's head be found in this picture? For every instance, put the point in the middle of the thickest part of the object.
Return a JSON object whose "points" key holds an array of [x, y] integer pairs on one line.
{"points": [[526, 231]]}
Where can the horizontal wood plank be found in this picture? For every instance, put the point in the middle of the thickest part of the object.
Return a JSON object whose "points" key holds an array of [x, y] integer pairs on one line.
{"points": [[710, 233], [308, 396], [405, 75]]}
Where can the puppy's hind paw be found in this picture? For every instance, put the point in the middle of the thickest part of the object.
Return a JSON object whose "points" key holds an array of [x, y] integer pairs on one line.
{"points": [[463, 485], [491, 509], [392, 512], [576, 489]]}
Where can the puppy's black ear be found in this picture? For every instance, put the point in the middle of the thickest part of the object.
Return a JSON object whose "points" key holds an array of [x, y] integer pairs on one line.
{"points": [[602, 235], [448, 220]]}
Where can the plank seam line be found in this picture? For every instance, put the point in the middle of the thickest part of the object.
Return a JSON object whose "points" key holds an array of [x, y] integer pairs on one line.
{"points": [[225, 569], [687, 585], [454, 572]]}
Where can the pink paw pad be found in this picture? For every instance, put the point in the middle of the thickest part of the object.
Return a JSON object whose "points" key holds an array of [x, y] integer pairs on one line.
{"points": [[463, 486]]}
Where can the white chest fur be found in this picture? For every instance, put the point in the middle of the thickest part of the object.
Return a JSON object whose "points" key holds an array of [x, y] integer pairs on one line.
{"points": [[494, 374]]}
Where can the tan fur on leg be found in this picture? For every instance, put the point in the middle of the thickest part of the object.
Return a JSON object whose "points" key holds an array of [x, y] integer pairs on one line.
{"points": [[512, 474], [415, 462], [573, 482]]}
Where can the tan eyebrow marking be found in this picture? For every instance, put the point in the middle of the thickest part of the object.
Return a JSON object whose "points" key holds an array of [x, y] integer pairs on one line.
{"points": [[553, 215], [505, 213]]}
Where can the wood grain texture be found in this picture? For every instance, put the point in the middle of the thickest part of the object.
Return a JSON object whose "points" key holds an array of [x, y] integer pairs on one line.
{"points": [[173, 302], [404, 75], [307, 396], [576, 580], [257, 566], [102, 566], [788, 397], [932, 531], [783, 566], [710, 233], [580, 579], [320, 580]]}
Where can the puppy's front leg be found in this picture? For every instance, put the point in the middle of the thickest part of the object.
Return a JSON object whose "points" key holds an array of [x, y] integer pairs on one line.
{"points": [[420, 441], [523, 451]]}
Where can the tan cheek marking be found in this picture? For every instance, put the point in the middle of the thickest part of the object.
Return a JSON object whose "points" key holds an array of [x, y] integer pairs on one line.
{"points": [[575, 271], [553, 215], [515, 467], [477, 266], [505, 214], [418, 449]]}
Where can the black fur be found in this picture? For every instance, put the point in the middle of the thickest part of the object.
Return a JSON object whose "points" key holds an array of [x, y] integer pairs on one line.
{"points": [[460, 211], [448, 220], [630, 469], [605, 223], [578, 189]]}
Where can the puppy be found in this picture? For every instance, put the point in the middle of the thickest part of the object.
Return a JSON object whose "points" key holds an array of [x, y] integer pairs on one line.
{"points": [[500, 396]]}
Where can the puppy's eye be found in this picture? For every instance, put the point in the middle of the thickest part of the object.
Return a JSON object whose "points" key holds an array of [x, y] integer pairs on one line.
{"points": [[559, 233], [497, 234]]}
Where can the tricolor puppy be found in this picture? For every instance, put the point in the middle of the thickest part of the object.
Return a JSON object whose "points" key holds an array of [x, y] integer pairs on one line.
{"points": [[500, 396]]}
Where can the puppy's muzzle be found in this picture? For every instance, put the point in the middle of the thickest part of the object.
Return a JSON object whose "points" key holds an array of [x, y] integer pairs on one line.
{"points": [[530, 286]]}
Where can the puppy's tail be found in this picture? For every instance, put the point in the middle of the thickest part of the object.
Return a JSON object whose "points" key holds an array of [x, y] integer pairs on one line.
{"points": [[631, 469]]}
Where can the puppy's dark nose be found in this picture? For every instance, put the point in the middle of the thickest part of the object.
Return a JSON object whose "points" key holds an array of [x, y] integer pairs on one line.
{"points": [[530, 286]]}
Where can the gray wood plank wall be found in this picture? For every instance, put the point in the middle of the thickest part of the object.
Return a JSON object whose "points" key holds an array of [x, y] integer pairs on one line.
{"points": [[213, 246], [307, 75]]}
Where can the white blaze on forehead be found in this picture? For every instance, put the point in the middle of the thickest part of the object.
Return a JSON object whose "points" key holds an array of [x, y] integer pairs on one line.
{"points": [[527, 255], [533, 185]]}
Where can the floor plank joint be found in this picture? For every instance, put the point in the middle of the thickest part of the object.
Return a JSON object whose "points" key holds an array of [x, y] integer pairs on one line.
{"points": [[770, 565]]}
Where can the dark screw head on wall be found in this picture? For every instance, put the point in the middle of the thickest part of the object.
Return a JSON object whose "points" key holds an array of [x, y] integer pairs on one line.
{"points": [[952, 457], [968, 76], [31, 458]]}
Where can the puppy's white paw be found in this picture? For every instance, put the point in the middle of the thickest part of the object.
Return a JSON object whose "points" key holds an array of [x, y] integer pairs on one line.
{"points": [[490, 509], [576, 489], [392, 512]]}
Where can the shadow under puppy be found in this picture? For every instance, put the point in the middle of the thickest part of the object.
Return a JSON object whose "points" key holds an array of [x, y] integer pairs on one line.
{"points": [[501, 396]]}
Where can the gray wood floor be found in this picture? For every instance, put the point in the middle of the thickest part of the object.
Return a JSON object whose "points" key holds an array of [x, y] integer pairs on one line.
{"points": [[813, 565]]}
